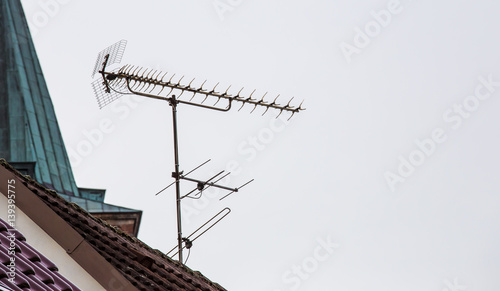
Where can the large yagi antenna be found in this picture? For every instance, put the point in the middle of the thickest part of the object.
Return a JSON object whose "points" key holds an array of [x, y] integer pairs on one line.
{"points": [[136, 80], [132, 79]]}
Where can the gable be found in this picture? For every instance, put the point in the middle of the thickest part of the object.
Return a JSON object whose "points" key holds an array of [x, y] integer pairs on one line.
{"points": [[48, 266], [49, 248]]}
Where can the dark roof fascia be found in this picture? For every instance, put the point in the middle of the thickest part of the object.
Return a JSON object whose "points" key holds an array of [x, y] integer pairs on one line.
{"points": [[71, 199], [138, 222], [92, 189]]}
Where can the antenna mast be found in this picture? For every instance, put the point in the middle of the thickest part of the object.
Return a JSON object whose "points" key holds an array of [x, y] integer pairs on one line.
{"points": [[135, 80]]}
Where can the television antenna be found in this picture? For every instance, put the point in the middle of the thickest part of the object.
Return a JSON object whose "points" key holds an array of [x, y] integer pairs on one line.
{"points": [[151, 83]]}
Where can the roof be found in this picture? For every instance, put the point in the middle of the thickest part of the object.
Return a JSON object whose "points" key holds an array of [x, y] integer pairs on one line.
{"points": [[94, 206], [144, 267], [33, 270]]}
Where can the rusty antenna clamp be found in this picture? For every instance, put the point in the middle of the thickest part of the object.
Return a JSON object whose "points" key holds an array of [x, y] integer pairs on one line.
{"points": [[151, 83]]}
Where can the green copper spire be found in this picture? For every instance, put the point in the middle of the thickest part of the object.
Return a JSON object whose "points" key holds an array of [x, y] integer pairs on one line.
{"points": [[28, 126]]}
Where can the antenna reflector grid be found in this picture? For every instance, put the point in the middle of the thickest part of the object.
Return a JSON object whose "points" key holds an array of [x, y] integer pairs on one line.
{"points": [[104, 95], [115, 52]]}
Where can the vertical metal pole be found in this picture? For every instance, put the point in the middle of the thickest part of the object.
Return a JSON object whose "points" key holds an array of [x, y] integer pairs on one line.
{"points": [[173, 103]]}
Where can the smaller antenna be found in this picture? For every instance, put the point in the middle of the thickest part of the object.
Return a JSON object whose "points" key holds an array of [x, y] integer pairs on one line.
{"points": [[186, 175], [188, 241], [202, 185], [236, 189]]}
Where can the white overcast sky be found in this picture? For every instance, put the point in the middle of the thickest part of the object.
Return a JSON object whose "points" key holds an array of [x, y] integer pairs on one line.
{"points": [[424, 71]]}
